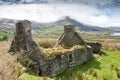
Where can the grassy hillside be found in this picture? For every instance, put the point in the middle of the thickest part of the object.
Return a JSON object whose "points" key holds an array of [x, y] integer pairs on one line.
{"points": [[102, 67], [49, 32], [56, 32]]}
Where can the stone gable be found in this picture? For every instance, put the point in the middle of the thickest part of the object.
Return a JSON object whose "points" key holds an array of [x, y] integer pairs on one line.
{"points": [[70, 37]]}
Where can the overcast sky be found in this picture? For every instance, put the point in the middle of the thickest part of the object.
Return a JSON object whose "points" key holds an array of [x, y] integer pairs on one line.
{"points": [[52, 12]]}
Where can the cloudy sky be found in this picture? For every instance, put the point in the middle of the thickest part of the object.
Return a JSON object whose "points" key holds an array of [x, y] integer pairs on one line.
{"points": [[87, 14]]}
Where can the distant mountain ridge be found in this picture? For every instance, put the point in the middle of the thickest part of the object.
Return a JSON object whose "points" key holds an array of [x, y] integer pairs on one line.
{"points": [[9, 24], [114, 28], [81, 26]]}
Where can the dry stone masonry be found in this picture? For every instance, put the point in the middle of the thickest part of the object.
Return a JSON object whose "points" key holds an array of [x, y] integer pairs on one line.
{"points": [[95, 46], [78, 52], [70, 37], [23, 41]]}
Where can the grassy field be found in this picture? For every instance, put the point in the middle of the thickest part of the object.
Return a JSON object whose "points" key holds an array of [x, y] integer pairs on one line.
{"points": [[102, 67]]}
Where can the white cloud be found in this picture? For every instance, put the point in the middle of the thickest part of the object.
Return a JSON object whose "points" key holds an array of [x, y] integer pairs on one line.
{"points": [[52, 12]]}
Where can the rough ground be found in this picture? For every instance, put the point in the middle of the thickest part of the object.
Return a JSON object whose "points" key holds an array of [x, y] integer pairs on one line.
{"points": [[7, 62]]}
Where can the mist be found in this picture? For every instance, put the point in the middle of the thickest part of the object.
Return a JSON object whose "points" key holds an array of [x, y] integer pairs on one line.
{"points": [[46, 13]]}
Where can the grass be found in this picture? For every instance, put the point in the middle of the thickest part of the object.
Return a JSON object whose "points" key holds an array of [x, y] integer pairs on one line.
{"points": [[32, 76], [102, 67], [3, 34]]}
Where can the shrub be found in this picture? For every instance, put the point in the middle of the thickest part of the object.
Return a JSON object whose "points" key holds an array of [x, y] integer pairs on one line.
{"points": [[3, 38]]}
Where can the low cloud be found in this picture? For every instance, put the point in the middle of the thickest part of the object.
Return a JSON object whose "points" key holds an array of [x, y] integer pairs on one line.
{"points": [[52, 12]]}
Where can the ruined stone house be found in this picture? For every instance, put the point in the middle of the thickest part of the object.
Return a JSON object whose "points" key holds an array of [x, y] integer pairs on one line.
{"points": [[77, 52]]}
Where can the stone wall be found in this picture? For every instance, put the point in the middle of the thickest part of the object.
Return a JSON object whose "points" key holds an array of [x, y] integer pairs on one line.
{"points": [[64, 62], [95, 46], [23, 38]]}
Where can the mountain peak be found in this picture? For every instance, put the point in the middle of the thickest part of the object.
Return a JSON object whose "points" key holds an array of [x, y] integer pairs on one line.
{"points": [[67, 18]]}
